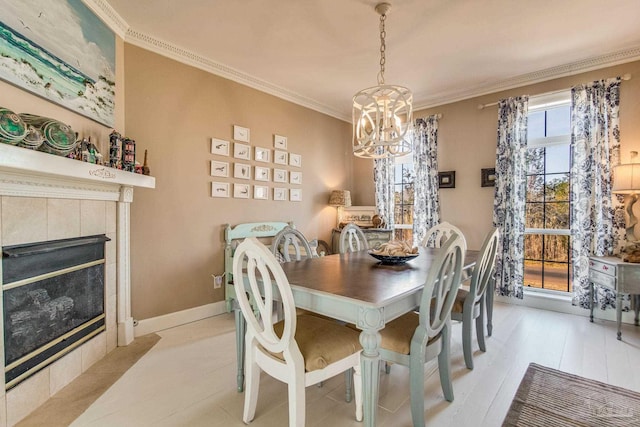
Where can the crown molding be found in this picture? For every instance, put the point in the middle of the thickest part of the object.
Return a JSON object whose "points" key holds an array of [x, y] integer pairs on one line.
{"points": [[108, 15], [172, 51], [578, 67]]}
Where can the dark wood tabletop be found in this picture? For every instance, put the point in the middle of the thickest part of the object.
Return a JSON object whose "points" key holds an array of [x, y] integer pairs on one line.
{"points": [[359, 276]]}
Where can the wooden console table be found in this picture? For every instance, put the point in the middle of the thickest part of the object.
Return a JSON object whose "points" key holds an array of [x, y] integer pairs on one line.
{"points": [[621, 277]]}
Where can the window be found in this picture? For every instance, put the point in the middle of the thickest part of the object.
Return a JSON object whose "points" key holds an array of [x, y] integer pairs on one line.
{"points": [[403, 198], [547, 263]]}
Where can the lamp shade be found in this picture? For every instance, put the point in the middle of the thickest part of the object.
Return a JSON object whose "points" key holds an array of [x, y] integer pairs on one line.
{"points": [[340, 198], [626, 178]]}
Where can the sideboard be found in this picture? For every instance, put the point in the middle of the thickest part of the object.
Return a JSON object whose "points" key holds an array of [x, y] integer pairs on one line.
{"points": [[619, 276]]}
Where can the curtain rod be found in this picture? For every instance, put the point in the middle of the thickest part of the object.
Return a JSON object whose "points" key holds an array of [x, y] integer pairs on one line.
{"points": [[491, 104]]}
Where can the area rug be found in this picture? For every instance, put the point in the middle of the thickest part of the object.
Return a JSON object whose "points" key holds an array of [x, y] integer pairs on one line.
{"points": [[548, 397]]}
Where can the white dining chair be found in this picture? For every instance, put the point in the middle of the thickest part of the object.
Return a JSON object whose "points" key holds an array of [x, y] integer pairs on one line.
{"points": [[439, 234], [470, 305], [352, 239], [418, 337], [288, 242], [299, 350]]}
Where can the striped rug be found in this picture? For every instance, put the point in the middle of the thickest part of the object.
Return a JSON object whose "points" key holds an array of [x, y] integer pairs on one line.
{"points": [[548, 397]]}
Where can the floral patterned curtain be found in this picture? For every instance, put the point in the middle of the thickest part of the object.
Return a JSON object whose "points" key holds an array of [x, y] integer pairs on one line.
{"points": [[510, 195], [383, 180], [426, 199], [597, 219]]}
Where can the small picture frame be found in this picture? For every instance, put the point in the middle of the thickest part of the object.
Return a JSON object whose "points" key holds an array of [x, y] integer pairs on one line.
{"points": [[295, 195], [488, 177], [241, 191], [280, 157], [260, 192], [295, 177], [242, 171], [219, 168], [241, 151], [241, 133], [447, 179], [279, 175], [280, 194], [219, 189], [295, 160], [261, 174], [262, 155], [219, 147], [279, 142]]}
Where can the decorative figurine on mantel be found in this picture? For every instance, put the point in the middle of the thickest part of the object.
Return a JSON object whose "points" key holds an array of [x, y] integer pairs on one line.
{"points": [[115, 150], [129, 155], [145, 165]]}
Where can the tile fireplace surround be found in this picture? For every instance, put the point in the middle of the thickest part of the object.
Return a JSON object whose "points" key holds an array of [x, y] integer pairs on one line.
{"points": [[45, 197]]}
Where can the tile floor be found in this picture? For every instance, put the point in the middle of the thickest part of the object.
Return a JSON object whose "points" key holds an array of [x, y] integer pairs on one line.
{"points": [[188, 378]]}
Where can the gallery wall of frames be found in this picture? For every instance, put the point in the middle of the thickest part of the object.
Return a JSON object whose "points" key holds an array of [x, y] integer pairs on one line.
{"points": [[243, 171]]}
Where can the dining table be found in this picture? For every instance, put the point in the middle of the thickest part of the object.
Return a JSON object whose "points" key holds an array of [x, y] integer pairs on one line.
{"points": [[356, 288]]}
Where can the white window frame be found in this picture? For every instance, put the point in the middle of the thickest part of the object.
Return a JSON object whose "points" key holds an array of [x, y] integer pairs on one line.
{"points": [[400, 160], [541, 103]]}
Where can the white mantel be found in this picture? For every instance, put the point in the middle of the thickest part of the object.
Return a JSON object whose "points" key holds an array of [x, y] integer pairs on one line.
{"points": [[29, 173]]}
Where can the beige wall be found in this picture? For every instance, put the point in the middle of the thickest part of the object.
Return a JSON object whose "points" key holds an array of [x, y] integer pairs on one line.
{"points": [[173, 110], [467, 143]]}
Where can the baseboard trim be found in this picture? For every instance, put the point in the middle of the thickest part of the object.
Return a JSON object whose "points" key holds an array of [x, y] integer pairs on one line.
{"points": [[166, 321], [562, 304]]}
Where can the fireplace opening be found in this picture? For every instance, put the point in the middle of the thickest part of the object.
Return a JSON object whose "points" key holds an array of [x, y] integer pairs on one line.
{"points": [[53, 297]]}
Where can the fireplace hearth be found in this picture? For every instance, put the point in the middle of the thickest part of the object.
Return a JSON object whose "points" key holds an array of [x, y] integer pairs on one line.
{"points": [[53, 296]]}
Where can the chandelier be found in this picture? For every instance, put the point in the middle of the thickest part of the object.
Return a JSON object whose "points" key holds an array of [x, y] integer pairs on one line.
{"points": [[383, 114]]}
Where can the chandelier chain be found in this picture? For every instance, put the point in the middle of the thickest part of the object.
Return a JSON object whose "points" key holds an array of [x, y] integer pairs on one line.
{"points": [[383, 48]]}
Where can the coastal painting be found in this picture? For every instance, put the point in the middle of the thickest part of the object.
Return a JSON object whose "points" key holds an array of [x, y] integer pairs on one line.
{"points": [[60, 51]]}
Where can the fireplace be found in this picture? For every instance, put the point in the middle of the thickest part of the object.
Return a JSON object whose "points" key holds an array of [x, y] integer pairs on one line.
{"points": [[54, 299], [48, 198]]}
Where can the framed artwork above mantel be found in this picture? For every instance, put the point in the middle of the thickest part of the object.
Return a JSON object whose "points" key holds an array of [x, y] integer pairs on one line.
{"points": [[74, 68]]}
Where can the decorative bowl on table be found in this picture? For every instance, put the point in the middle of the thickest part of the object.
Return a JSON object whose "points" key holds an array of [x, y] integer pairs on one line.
{"points": [[392, 259]]}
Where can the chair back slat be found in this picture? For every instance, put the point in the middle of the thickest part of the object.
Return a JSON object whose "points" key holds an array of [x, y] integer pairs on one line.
{"points": [[352, 239], [262, 278], [438, 235], [484, 269], [442, 285], [291, 241]]}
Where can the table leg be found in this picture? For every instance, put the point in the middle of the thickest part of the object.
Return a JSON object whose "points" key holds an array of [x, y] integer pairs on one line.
{"points": [[636, 309], [619, 314], [369, 361], [591, 291], [240, 333]]}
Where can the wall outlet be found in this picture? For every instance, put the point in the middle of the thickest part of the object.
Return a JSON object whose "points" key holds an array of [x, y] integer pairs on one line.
{"points": [[217, 281]]}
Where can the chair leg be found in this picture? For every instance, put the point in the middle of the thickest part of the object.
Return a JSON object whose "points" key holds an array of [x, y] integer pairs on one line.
{"points": [[466, 339], [357, 383], [480, 329], [296, 400], [489, 294], [348, 385], [416, 383], [252, 385], [444, 364]]}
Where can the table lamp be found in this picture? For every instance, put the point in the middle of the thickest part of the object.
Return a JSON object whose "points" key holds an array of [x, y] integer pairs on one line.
{"points": [[626, 180], [340, 199]]}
